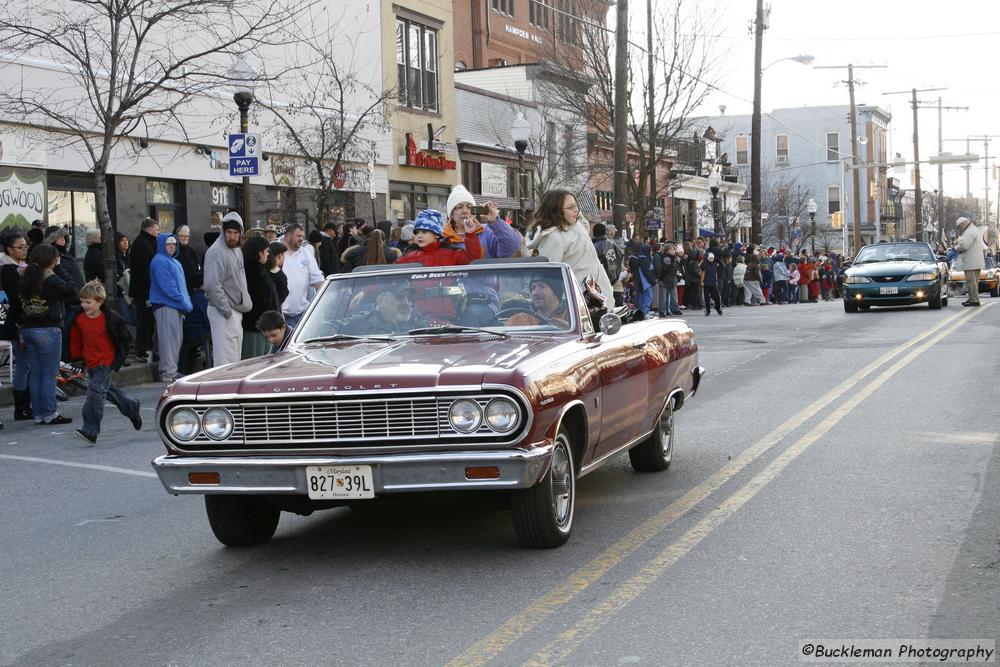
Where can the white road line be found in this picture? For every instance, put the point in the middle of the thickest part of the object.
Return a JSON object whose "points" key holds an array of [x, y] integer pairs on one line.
{"points": [[69, 464]]}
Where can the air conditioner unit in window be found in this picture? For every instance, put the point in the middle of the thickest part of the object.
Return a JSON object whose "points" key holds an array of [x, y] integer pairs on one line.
{"points": [[782, 159]]}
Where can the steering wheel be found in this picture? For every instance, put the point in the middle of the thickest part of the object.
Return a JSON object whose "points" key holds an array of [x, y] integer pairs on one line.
{"points": [[507, 313]]}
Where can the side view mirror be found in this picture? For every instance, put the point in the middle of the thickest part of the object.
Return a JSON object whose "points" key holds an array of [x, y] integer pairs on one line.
{"points": [[610, 324]]}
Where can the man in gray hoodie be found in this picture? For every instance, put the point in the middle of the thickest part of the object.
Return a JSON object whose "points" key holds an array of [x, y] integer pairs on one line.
{"points": [[226, 291]]}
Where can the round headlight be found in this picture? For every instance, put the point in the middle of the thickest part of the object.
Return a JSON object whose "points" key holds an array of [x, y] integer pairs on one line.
{"points": [[465, 416], [217, 423], [501, 415], [183, 424]]}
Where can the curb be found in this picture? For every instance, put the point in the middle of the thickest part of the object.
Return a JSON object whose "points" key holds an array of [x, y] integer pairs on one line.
{"points": [[126, 377]]}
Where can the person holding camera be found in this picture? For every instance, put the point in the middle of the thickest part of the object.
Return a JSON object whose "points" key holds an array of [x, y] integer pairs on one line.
{"points": [[497, 238]]}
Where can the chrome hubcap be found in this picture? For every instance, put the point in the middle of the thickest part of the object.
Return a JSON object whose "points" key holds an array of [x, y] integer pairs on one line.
{"points": [[667, 430], [561, 477]]}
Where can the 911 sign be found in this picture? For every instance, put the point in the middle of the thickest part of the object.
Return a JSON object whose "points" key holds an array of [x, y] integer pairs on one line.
{"points": [[244, 155]]}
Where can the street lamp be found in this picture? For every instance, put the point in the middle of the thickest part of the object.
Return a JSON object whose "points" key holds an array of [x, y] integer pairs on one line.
{"points": [[714, 180], [243, 77], [520, 132], [811, 207], [755, 180]]}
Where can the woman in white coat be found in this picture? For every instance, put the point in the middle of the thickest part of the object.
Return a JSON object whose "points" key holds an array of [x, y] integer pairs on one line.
{"points": [[559, 234], [971, 257]]}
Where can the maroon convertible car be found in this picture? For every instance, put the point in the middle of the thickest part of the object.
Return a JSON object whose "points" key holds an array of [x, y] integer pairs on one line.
{"points": [[500, 375]]}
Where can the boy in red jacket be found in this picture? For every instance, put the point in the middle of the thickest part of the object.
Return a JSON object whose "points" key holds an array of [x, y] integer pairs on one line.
{"points": [[100, 337], [428, 234], [432, 250]]}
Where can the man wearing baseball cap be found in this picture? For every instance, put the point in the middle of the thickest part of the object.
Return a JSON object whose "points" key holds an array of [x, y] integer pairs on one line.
{"points": [[548, 304], [393, 312]]}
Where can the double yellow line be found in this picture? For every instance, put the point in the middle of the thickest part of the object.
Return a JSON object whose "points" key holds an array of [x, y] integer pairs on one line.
{"points": [[562, 646]]}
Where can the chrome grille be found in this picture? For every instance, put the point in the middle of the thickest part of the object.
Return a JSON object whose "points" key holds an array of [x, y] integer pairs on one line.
{"points": [[351, 421], [331, 421]]}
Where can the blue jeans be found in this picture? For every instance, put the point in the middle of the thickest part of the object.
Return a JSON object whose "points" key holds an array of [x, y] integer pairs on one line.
{"points": [[293, 320], [101, 388], [793, 293], [20, 354], [44, 348], [644, 300], [668, 299]]}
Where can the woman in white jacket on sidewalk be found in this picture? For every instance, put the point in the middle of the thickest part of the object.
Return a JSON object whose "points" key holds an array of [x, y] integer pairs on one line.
{"points": [[561, 235]]}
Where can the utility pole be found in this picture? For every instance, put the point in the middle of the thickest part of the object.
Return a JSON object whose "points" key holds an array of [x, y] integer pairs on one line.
{"points": [[651, 116], [621, 115], [985, 139], [918, 200], [855, 176], [940, 199], [756, 235]]}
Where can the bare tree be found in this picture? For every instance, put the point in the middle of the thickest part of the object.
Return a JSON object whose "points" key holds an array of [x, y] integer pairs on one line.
{"points": [[122, 64], [329, 117], [684, 56]]}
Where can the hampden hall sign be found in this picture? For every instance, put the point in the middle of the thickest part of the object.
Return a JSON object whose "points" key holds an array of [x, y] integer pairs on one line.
{"points": [[423, 159]]}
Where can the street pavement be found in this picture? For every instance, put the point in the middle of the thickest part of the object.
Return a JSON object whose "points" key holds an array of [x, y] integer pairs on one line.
{"points": [[836, 477]]}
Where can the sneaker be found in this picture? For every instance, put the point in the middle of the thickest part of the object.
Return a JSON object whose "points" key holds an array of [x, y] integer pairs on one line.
{"points": [[89, 437], [57, 420]]}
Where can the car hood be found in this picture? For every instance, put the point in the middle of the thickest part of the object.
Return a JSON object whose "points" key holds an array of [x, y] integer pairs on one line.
{"points": [[891, 268], [441, 361]]}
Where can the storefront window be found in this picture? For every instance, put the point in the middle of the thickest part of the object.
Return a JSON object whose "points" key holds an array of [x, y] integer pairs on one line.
{"points": [[406, 200], [164, 204], [77, 211]]}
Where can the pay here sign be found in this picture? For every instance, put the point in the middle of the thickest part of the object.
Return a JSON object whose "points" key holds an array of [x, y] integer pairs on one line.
{"points": [[244, 155]]}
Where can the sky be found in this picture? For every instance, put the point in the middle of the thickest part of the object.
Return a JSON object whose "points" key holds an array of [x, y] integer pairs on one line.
{"points": [[923, 44]]}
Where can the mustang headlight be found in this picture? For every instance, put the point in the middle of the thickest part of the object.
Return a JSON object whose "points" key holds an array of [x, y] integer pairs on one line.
{"points": [[923, 276], [856, 280], [990, 275], [217, 423], [183, 424], [465, 416], [501, 415]]}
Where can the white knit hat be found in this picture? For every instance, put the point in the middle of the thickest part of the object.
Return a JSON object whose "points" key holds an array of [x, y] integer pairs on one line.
{"points": [[459, 195]]}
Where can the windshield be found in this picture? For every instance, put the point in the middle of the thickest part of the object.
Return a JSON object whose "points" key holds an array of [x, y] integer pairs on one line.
{"points": [[892, 252], [445, 300]]}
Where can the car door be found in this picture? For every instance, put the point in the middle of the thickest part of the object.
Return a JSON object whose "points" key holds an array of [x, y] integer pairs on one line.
{"points": [[621, 363]]}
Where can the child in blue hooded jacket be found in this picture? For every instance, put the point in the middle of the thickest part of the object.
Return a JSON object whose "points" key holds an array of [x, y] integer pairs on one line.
{"points": [[169, 300]]}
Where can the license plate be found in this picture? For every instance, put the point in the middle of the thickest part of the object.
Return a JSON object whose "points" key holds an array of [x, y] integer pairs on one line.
{"points": [[888, 290], [339, 482]]}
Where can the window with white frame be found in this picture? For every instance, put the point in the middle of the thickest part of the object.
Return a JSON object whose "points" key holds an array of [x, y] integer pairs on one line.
{"points": [[781, 148], [742, 149], [833, 199], [416, 65], [832, 146]]}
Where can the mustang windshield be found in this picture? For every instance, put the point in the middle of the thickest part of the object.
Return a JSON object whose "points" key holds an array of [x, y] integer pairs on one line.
{"points": [[895, 252], [441, 301]]}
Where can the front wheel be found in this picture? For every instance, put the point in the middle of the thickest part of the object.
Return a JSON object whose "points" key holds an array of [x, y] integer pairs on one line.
{"points": [[241, 521], [543, 513], [935, 302], [850, 307], [655, 452], [995, 292]]}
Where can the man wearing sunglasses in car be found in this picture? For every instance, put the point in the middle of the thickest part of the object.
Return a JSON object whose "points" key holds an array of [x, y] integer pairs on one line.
{"points": [[393, 313]]}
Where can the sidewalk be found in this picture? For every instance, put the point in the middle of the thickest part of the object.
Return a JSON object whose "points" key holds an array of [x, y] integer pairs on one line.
{"points": [[131, 375]]}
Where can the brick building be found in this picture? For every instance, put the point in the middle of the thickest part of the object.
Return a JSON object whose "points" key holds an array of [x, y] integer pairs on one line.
{"points": [[494, 33]]}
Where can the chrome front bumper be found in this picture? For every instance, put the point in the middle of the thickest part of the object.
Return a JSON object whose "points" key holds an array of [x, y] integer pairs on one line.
{"points": [[391, 473]]}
